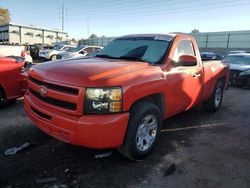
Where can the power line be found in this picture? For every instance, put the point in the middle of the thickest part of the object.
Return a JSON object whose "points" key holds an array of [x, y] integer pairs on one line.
{"points": [[133, 11], [159, 12], [118, 5], [62, 16]]}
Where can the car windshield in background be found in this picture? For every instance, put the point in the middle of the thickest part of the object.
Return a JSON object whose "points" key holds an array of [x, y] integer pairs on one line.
{"points": [[240, 60], [150, 50], [58, 47], [76, 49]]}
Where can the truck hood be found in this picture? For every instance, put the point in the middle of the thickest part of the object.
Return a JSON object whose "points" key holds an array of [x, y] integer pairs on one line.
{"points": [[86, 71], [239, 67]]}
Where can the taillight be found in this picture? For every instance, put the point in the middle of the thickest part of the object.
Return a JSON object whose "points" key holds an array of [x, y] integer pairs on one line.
{"points": [[23, 53]]}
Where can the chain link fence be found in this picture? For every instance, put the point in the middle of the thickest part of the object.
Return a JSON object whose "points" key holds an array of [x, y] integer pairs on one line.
{"points": [[225, 40]]}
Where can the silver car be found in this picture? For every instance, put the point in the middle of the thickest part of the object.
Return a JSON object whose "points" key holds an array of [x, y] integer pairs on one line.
{"points": [[80, 51]]}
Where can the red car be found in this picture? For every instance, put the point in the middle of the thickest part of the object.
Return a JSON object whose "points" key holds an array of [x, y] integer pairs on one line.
{"points": [[12, 79]]}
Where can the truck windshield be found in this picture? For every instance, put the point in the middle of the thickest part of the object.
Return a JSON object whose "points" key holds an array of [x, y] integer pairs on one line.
{"points": [[238, 59], [151, 50]]}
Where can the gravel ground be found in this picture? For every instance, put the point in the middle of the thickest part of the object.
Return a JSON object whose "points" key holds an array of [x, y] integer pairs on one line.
{"points": [[208, 149]]}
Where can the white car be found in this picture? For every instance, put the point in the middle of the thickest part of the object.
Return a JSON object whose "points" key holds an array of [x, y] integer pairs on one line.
{"points": [[15, 50], [50, 54], [79, 51]]}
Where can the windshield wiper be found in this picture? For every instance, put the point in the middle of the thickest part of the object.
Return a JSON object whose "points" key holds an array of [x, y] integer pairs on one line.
{"points": [[132, 58], [106, 56]]}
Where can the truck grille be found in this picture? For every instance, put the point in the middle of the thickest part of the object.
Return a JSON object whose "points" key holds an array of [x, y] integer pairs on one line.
{"points": [[56, 102], [64, 98], [64, 89]]}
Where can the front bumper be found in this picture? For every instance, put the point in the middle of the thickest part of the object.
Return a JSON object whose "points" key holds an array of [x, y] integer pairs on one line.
{"points": [[93, 131]]}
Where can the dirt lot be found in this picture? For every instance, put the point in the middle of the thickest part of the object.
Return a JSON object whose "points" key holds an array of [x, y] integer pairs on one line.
{"points": [[217, 154]]}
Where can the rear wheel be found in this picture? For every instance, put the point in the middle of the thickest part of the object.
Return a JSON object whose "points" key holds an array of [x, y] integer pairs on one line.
{"points": [[214, 102], [142, 132]]}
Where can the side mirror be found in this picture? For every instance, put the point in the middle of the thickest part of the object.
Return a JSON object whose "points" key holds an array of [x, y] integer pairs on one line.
{"points": [[187, 60]]}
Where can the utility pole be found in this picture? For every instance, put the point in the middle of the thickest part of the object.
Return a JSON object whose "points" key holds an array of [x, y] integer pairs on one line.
{"points": [[62, 16], [88, 27]]}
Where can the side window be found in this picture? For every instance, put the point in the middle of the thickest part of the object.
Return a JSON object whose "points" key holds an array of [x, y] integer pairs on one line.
{"points": [[65, 48], [33, 47], [89, 49], [184, 47]]}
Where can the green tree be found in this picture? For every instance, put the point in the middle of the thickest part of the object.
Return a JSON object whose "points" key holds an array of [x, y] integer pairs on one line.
{"points": [[4, 15], [93, 36], [195, 31], [74, 40]]}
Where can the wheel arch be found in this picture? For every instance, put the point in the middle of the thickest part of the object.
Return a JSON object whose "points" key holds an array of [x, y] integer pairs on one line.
{"points": [[223, 80], [3, 91], [158, 99]]}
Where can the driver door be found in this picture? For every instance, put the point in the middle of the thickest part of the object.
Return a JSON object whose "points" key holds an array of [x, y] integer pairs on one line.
{"points": [[184, 83]]}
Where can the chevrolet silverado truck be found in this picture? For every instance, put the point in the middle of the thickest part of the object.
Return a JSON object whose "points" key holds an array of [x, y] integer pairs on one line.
{"points": [[13, 79], [119, 98]]}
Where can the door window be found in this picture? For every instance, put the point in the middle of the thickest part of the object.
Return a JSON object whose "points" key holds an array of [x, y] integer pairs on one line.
{"points": [[89, 49], [184, 47]]}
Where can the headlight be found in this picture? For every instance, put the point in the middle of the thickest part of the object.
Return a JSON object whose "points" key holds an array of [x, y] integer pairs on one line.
{"points": [[247, 72], [103, 100]]}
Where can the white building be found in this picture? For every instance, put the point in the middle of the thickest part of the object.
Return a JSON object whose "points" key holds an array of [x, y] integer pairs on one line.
{"points": [[22, 34]]}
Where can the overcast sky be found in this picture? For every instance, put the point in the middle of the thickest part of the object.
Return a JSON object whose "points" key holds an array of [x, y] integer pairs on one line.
{"points": [[119, 17]]}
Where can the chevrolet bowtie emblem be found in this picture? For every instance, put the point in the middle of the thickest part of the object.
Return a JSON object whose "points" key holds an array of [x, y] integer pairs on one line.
{"points": [[43, 91]]}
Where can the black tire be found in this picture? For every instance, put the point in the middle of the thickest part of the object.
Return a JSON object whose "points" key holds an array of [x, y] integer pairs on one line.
{"points": [[138, 113], [213, 104], [3, 100], [11, 102]]}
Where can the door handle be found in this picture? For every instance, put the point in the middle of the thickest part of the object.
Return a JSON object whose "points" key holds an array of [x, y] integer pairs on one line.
{"points": [[196, 75]]}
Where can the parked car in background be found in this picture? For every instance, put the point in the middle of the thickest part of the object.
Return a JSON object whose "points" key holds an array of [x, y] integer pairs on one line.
{"points": [[244, 79], [119, 98], [239, 63], [16, 50], [50, 54], [79, 51], [206, 56], [237, 51], [13, 79], [34, 50], [48, 47]]}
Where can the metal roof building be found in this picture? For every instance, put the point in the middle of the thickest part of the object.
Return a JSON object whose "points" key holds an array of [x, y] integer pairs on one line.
{"points": [[22, 34]]}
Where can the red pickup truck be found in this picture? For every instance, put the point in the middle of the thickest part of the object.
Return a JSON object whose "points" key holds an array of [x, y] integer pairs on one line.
{"points": [[13, 79], [119, 98]]}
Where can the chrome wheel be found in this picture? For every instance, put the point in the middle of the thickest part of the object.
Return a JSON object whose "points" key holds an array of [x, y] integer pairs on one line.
{"points": [[218, 96], [53, 58], [146, 133]]}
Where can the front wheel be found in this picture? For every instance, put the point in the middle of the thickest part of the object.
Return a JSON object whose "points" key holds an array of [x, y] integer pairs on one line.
{"points": [[53, 58], [142, 132], [3, 99], [214, 102]]}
